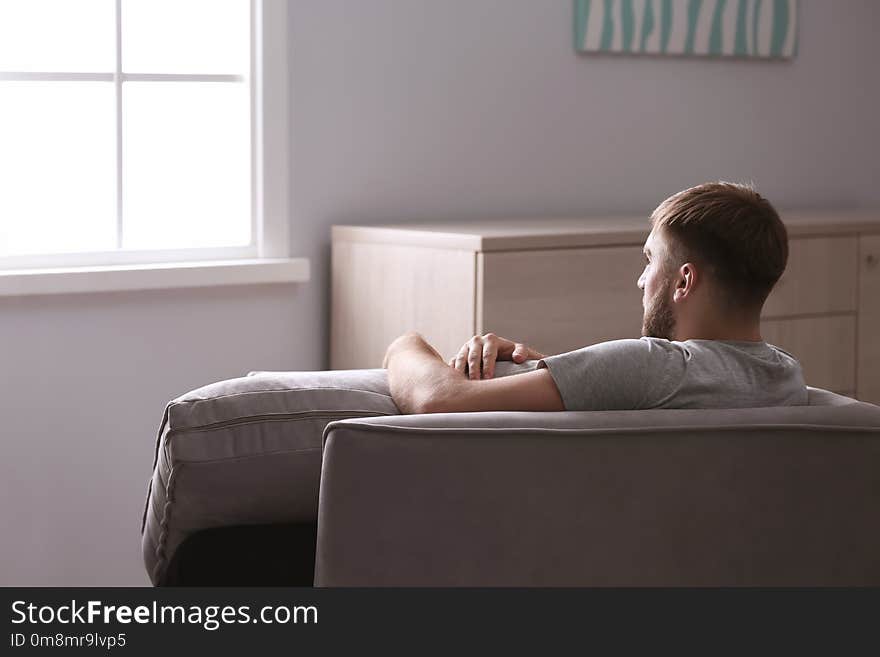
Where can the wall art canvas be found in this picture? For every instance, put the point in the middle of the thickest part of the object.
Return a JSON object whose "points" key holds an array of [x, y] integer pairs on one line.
{"points": [[714, 28]]}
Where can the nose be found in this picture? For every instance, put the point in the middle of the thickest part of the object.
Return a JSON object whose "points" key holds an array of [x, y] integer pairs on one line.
{"points": [[641, 282]]}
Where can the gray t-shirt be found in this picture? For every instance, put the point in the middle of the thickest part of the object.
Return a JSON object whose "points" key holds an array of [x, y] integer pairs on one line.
{"points": [[658, 373]]}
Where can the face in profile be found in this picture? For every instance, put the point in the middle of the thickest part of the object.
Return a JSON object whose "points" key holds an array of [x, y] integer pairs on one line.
{"points": [[658, 319]]}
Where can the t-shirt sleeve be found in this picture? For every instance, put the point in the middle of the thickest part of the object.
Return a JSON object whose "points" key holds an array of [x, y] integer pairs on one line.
{"points": [[615, 375]]}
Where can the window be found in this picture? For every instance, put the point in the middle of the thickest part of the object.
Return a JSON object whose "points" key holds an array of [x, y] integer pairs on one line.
{"points": [[139, 131]]}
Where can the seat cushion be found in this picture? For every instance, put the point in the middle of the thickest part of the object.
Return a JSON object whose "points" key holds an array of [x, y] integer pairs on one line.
{"points": [[247, 451]]}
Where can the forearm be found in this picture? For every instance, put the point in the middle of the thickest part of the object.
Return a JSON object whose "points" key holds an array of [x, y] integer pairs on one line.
{"points": [[417, 375]]}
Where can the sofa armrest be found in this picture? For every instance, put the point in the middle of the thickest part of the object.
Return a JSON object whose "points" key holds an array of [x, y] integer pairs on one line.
{"points": [[784, 496], [247, 451]]}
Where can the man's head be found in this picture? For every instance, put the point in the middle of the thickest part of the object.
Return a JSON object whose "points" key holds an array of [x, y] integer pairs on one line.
{"points": [[714, 253]]}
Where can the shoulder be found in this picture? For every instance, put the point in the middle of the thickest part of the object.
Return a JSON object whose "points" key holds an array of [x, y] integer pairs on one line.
{"points": [[617, 374], [628, 346], [644, 349], [743, 351], [783, 355], [619, 354]]}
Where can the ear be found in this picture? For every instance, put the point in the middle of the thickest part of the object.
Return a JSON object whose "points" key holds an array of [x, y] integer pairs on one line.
{"points": [[685, 281]]}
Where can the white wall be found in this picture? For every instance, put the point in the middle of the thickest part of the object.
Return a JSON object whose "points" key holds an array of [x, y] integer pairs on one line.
{"points": [[85, 380], [406, 109]]}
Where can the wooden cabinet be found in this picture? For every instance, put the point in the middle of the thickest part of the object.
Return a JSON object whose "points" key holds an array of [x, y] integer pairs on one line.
{"points": [[868, 327], [821, 278], [560, 284]]}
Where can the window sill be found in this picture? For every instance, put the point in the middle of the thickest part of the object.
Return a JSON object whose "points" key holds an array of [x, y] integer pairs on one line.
{"points": [[112, 278]]}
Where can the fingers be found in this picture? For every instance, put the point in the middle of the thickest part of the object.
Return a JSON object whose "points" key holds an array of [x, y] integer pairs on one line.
{"points": [[459, 362], [477, 357], [474, 357], [489, 355]]}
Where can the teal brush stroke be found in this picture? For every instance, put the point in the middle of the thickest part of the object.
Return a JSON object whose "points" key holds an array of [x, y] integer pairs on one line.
{"points": [[581, 11], [794, 52], [647, 23], [665, 24], [780, 27], [628, 24], [693, 15], [716, 39], [607, 26], [739, 47], [755, 16]]}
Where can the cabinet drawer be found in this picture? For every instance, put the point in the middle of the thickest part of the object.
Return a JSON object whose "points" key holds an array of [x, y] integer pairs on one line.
{"points": [[560, 299], [820, 278], [825, 346]]}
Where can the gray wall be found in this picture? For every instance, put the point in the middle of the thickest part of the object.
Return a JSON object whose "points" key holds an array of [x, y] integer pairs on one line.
{"points": [[406, 109]]}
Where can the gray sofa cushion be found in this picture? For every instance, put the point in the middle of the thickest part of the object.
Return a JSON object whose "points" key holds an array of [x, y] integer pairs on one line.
{"points": [[248, 451]]}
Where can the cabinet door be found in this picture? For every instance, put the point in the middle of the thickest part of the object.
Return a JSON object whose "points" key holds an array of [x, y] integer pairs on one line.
{"points": [[825, 347], [557, 300], [820, 278], [868, 373], [380, 291]]}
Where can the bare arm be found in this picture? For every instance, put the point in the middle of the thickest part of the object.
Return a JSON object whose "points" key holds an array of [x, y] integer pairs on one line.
{"points": [[421, 382]]}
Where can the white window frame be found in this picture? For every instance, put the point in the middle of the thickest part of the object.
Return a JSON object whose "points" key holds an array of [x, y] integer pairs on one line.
{"points": [[264, 260]]}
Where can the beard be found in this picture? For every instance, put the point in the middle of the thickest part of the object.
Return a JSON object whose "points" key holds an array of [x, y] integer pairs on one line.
{"points": [[658, 320]]}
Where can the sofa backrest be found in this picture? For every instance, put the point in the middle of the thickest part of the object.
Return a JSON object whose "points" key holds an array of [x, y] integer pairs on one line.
{"points": [[728, 497]]}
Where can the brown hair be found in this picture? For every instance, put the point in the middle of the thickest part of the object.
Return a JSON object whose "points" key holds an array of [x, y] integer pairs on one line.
{"points": [[731, 230]]}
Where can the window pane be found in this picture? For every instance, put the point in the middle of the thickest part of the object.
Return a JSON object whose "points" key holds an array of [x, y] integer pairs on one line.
{"points": [[57, 36], [57, 167], [196, 36], [186, 165]]}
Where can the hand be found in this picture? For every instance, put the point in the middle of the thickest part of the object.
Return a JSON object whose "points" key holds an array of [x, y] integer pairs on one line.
{"points": [[476, 359]]}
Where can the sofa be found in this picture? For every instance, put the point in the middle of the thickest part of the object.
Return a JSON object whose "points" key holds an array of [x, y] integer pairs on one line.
{"points": [[314, 478]]}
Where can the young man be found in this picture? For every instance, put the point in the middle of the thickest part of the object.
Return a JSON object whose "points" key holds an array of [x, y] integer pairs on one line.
{"points": [[714, 253]]}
